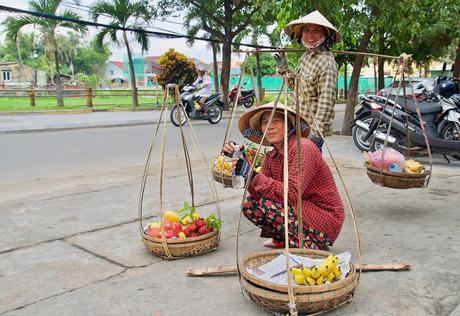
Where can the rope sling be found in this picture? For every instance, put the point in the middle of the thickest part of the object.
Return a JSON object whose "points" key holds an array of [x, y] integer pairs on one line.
{"points": [[187, 247], [393, 179], [292, 305]]}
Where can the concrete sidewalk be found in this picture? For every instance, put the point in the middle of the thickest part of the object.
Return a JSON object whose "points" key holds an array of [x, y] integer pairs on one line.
{"points": [[77, 251]]}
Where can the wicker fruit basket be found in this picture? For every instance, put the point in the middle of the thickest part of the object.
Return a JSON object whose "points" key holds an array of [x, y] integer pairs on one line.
{"points": [[396, 180], [309, 299], [226, 180], [179, 248]]}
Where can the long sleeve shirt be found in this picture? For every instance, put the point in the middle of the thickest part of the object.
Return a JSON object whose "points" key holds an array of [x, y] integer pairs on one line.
{"points": [[203, 85], [322, 206], [317, 72]]}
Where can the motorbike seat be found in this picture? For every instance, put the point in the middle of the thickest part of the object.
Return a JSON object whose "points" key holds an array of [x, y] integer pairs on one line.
{"points": [[212, 96], [426, 107], [246, 92]]}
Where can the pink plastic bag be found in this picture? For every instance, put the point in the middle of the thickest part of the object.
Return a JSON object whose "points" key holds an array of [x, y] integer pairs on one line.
{"points": [[391, 156]]}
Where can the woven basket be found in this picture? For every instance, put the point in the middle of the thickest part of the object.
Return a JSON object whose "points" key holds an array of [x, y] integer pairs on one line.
{"points": [[396, 180], [309, 299], [180, 248], [222, 178]]}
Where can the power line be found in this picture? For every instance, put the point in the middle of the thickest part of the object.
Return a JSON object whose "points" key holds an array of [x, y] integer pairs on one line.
{"points": [[77, 7], [121, 28], [89, 8]]}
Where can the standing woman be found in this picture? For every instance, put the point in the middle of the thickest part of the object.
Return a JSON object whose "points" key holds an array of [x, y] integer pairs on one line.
{"points": [[317, 71]]}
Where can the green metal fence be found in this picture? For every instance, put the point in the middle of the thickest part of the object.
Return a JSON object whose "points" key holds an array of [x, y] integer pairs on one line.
{"points": [[365, 84]]}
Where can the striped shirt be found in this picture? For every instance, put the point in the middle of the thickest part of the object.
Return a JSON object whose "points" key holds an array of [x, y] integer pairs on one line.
{"points": [[317, 72]]}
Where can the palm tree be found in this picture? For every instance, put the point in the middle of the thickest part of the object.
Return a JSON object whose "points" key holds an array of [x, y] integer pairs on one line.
{"points": [[192, 31], [48, 29], [120, 12]]}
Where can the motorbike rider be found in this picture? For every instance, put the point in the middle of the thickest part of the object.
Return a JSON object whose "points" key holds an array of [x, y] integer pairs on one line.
{"points": [[203, 85], [317, 71]]}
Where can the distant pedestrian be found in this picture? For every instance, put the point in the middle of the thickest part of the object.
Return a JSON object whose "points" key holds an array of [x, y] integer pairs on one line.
{"points": [[317, 71]]}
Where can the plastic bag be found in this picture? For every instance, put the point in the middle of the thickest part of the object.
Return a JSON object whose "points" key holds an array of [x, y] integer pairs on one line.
{"points": [[391, 157]]}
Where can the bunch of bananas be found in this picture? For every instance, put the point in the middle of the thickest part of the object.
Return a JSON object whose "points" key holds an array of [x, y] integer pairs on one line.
{"points": [[223, 165], [412, 166], [329, 270]]}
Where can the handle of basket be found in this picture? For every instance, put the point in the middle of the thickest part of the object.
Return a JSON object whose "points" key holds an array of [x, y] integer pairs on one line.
{"points": [[228, 131], [250, 173], [188, 163], [146, 171], [347, 193]]}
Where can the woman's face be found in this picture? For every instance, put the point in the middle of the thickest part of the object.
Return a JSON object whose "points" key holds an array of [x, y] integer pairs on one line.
{"points": [[275, 132], [311, 33]]}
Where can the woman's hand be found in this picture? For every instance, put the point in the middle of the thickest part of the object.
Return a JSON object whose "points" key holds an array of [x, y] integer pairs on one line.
{"points": [[228, 149]]}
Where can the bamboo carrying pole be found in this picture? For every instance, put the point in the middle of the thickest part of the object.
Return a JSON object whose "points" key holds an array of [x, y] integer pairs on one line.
{"points": [[338, 52], [232, 269]]}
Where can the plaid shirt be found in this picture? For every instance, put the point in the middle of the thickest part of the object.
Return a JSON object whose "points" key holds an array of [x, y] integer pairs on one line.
{"points": [[322, 207], [317, 72]]}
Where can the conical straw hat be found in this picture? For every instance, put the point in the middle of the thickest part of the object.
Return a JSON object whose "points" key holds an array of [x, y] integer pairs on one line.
{"points": [[249, 123], [315, 17]]}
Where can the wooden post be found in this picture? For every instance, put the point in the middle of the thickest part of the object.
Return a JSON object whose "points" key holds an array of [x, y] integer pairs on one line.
{"points": [[89, 97], [32, 96]]}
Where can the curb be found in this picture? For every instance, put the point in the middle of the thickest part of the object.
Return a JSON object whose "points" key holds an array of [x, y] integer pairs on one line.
{"points": [[100, 125]]}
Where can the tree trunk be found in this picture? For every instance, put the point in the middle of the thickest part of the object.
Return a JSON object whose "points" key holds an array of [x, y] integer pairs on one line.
{"points": [[215, 66], [353, 92], [374, 65], [381, 63], [456, 66], [131, 72], [225, 75], [345, 84], [59, 96], [259, 77]]}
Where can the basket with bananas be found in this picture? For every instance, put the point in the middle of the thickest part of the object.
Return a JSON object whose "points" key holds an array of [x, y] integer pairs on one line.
{"points": [[328, 271], [222, 170], [411, 166]]}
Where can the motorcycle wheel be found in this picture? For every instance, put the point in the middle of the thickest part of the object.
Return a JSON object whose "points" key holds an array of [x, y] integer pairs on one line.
{"points": [[248, 102], [359, 133], [175, 116], [214, 114], [447, 133]]}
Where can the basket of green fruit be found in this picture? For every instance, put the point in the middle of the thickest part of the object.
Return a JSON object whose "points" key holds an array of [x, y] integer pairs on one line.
{"points": [[182, 233]]}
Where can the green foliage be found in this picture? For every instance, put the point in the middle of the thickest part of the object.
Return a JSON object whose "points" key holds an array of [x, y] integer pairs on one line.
{"points": [[176, 68], [213, 221], [267, 65], [122, 13], [91, 59], [90, 81], [222, 20]]}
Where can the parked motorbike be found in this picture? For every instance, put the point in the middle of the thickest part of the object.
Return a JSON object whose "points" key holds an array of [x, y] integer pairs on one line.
{"points": [[213, 104], [362, 121], [246, 98], [441, 117]]}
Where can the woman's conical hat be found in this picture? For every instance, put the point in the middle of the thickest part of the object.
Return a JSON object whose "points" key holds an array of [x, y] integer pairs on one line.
{"points": [[315, 17]]}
